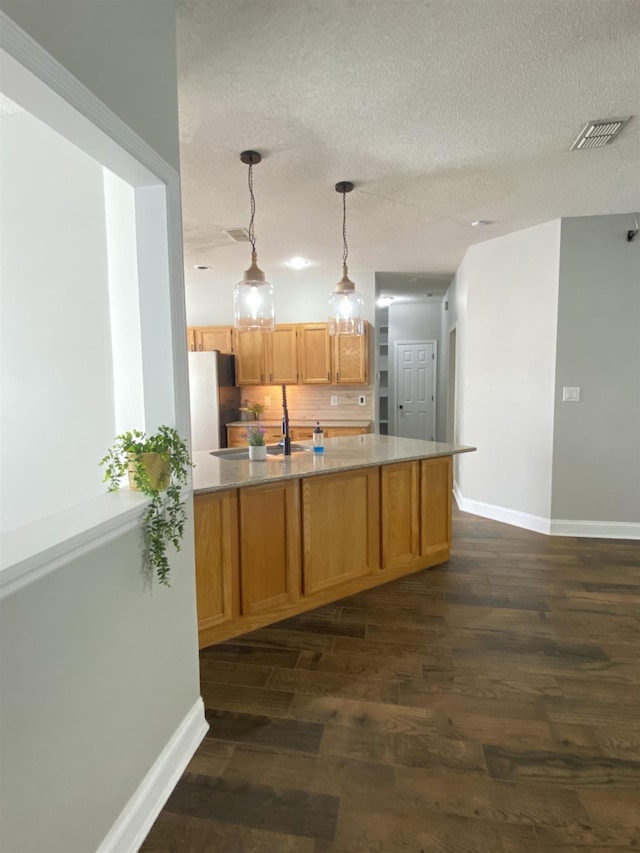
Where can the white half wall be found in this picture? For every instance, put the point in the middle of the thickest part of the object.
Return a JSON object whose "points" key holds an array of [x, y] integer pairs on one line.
{"points": [[507, 355]]}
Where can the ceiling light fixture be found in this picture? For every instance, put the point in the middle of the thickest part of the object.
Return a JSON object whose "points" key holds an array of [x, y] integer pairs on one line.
{"points": [[384, 301], [298, 263], [346, 305], [253, 296], [480, 223]]}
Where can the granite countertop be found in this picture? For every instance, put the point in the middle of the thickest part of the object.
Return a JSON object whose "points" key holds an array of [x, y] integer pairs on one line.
{"points": [[214, 473], [301, 422]]}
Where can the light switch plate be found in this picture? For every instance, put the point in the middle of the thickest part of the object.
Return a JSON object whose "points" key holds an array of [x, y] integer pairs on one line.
{"points": [[570, 394], [267, 400], [334, 399]]}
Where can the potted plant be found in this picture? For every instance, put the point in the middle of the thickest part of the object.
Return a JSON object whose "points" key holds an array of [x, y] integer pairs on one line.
{"points": [[255, 440], [252, 410], [158, 466]]}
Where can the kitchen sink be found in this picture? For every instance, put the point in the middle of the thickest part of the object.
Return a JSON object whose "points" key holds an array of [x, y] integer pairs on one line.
{"points": [[232, 453]]}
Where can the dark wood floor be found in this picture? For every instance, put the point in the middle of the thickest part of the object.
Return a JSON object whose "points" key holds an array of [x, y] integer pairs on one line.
{"points": [[491, 705]]}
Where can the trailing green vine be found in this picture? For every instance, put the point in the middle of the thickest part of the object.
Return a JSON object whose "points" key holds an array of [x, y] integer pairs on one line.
{"points": [[165, 517]]}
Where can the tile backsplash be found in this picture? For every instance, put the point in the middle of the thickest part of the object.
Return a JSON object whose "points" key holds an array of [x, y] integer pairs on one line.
{"points": [[312, 402]]}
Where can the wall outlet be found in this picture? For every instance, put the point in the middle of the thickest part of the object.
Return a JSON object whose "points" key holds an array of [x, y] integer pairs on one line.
{"points": [[267, 400], [571, 394], [362, 400], [334, 399]]}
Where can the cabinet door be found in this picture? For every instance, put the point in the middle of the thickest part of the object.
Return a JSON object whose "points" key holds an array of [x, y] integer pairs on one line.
{"points": [[340, 528], [272, 435], [217, 577], [351, 358], [209, 338], [282, 356], [269, 546], [302, 433], [250, 358], [237, 436], [400, 515], [314, 353], [191, 340], [435, 487], [336, 432]]}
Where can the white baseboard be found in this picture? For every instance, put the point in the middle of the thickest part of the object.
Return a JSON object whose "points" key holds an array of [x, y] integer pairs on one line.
{"points": [[137, 817], [549, 526], [595, 529]]}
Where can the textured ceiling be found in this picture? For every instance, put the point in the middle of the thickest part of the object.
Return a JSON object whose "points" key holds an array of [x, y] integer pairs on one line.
{"points": [[439, 112]]}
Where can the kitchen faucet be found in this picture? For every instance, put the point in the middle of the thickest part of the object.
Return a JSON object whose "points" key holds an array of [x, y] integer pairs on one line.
{"points": [[286, 436]]}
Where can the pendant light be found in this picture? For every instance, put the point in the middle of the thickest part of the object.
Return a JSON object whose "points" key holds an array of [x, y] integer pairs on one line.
{"points": [[346, 305], [253, 296]]}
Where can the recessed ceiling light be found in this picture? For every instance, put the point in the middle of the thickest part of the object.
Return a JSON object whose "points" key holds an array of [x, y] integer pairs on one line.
{"points": [[201, 267], [384, 301], [298, 263], [481, 223]]}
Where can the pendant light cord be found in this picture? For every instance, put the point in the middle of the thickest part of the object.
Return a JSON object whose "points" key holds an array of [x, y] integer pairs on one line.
{"points": [[252, 233], [345, 248]]}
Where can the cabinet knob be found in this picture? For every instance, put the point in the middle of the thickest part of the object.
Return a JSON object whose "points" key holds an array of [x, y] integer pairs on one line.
{"points": [[401, 406]]}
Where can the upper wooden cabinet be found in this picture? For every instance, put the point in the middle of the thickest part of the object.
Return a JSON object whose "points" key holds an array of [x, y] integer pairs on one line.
{"points": [[251, 358], [314, 353], [208, 338], [301, 353], [282, 356], [267, 358], [342, 360], [351, 359]]}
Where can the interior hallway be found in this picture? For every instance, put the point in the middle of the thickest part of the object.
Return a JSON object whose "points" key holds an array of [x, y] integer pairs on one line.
{"points": [[490, 705]]}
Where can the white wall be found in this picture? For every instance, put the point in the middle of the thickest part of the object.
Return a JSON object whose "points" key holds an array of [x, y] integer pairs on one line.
{"points": [[596, 454], [299, 298], [57, 375], [99, 670], [507, 369]]}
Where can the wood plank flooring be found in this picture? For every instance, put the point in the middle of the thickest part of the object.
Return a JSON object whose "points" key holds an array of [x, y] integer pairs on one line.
{"points": [[490, 705]]}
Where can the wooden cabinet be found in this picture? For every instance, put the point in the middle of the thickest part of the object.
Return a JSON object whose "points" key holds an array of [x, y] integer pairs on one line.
{"points": [[436, 486], [301, 353], [208, 338], [282, 356], [264, 358], [314, 353], [416, 513], [340, 523], [350, 365], [337, 432], [237, 434], [268, 551], [302, 433], [217, 573], [251, 358], [269, 546]]}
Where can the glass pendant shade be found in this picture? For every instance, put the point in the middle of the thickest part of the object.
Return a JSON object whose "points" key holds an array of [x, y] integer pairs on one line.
{"points": [[346, 308], [253, 305]]}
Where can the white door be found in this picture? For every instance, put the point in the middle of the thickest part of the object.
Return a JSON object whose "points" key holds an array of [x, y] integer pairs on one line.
{"points": [[416, 389]]}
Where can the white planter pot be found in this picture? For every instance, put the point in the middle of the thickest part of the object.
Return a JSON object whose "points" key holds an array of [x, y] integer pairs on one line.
{"points": [[257, 452]]}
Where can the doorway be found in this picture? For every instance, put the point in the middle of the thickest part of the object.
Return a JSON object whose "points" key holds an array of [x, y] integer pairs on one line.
{"points": [[415, 387]]}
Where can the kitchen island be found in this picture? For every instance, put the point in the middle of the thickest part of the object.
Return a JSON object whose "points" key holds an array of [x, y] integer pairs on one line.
{"points": [[279, 537]]}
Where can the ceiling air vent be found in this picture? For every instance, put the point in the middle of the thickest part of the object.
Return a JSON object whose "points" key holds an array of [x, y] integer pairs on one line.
{"points": [[238, 235], [597, 133]]}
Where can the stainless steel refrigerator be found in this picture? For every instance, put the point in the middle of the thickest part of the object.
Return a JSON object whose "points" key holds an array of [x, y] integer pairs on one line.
{"points": [[215, 399]]}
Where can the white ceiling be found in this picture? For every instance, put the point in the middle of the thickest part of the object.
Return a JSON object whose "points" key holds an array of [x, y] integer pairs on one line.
{"points": [[439, 112]]}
